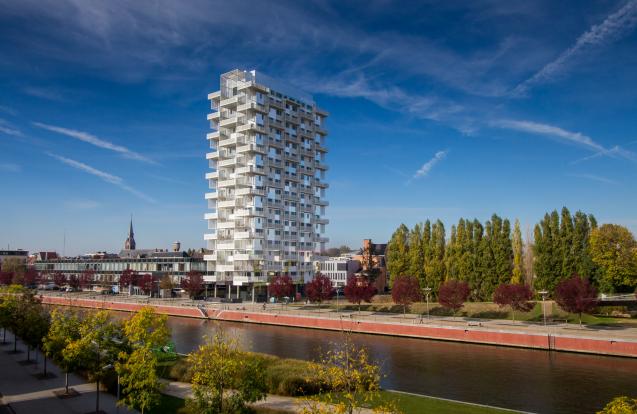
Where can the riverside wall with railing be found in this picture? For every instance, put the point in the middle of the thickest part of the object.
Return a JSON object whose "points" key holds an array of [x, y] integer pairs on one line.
{"points": [[603, 343]]}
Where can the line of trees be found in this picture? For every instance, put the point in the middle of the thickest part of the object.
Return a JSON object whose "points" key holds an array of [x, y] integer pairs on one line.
{"points": [[93, 343], [488, 255]]}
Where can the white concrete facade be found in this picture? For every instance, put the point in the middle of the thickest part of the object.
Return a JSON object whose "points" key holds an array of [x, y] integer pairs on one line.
{"points": [[339, 269], [267, 181]]}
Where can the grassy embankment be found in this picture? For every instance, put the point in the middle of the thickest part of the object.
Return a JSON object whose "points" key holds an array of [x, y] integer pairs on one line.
{"points": [[293, 377], [605, 315]]}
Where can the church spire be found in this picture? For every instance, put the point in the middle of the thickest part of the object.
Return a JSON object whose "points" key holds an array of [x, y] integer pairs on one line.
{"points": [[130, 241]]}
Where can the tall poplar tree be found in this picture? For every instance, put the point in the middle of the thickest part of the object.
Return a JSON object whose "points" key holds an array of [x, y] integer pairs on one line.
{"points": [[398, 253], [518, 254], [416, 254], [435, 267]]}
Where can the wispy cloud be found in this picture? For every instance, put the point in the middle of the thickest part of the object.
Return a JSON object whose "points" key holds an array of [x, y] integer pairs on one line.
{"points": [[7, 128], [560, 134], [45, 93], [93, 140], [548, 130], [613, 27], [429, 165], [10, 167], [107, 177], [593, 177]]}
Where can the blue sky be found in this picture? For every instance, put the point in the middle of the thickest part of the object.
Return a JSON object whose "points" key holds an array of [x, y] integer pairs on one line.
{"points": [[438, 110]]}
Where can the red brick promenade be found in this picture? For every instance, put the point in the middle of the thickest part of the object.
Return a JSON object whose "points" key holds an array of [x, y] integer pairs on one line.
{"points": [[606, 343]]}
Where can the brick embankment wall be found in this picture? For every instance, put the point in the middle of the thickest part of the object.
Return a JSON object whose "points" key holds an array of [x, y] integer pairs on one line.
{"points": [[556, 342]]}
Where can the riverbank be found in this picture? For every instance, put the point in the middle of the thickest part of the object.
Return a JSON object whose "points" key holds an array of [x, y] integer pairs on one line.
{"points": [[567, 338]]}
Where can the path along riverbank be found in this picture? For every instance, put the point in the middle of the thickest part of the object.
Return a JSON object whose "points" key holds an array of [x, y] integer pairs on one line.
{"points": [[620, 341]]}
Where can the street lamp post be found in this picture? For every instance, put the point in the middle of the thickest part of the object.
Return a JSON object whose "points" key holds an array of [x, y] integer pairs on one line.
{"points": [[427, 292], [544, 293]]}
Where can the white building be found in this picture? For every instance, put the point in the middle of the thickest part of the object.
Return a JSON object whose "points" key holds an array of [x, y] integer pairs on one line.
{"points": [[338, 269], [266, 201]]}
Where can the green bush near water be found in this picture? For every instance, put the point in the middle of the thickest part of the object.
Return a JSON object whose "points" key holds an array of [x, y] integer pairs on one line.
{"points": [[289, 377]]}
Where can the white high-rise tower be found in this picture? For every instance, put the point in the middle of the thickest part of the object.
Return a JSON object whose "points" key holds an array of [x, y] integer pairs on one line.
{"points": [[267, 184]]}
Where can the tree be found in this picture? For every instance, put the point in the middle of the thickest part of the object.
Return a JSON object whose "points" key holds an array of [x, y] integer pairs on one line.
{"points": [[128, 278], [416, 253], [145, 283], [614, 250], [59, 279], [192, 283], [6, 278], [138, 377], [64, 330], [86, 279], [518, 254], [31, 278], [405, 291], [359, 289], [398, 253], [576, 295], [74, 282], [350, 380], [319, 289], [218, 366], [561, 247], [98, 345], [620, 405], [147, 328], [35, 326], [281, 286], [166, 282], [453, 294], [145, 332], [515, 295], [435, 256]]}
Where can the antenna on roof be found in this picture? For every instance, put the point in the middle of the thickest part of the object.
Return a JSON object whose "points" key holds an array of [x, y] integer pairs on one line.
{"points": [[64, 246]]}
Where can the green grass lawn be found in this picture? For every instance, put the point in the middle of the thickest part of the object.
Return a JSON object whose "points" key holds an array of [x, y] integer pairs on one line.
{"points": [[408, 404], [412, 404]]}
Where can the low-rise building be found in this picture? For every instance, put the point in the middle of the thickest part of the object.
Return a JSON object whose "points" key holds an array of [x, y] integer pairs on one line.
{"points": [[11, 254], [338, 269]]}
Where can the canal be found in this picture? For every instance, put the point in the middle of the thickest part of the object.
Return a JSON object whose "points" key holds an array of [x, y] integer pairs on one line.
{"points": [[523, 379]]}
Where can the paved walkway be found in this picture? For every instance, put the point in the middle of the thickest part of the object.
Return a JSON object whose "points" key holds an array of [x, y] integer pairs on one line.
{"points": [[21, 392], [272, 402]]}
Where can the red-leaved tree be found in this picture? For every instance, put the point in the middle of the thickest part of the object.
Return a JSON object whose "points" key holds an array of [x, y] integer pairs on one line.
{"points": [[319, 289], [6, 278], [74, 282], [128, 278], [192, 283], [59, 279], [405, 291], [453, 294], [576, 295], [359, 289], [514, 295], [145, 283], [31, 277], [86, 278], [281, 286]]}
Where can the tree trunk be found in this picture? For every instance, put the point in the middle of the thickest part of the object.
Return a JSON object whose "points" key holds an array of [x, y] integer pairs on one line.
{"points": [[4, 336], [28, 353], [44, 356], [15, 343], [66, 381]]}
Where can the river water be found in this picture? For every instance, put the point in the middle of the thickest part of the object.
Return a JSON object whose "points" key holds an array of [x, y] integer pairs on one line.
{"points": [[523, 379]]}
